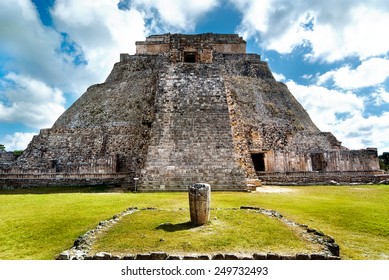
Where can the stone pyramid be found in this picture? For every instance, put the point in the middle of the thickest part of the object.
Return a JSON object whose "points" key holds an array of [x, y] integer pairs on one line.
{"points": [[187, 109]]}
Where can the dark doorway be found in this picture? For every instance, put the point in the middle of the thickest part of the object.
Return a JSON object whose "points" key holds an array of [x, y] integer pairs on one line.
{"points": [[318, 162], [190, 57], [258, 161], [56, 165]]}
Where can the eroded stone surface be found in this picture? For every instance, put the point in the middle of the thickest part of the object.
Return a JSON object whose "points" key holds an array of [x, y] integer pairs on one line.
{"points": [[199, 203]]}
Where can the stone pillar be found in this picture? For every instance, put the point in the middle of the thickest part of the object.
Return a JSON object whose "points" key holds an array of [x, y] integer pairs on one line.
{"points": [[199, 203]]}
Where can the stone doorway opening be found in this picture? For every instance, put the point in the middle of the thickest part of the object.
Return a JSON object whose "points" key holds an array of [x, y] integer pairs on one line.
{"points": [[190, 57], [318, 162], [258, 161]]}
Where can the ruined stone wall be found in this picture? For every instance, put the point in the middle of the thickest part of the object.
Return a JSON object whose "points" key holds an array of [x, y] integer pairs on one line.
{"points": [[83, 150], [202, 46], [266, 119], [152, 48], [7, 157], [191, 138], [106, 130], [352, 160], [323, 178], [19, 181]]}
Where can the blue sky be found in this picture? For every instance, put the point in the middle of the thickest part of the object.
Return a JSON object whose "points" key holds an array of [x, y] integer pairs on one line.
{"points": [[333, 55]]}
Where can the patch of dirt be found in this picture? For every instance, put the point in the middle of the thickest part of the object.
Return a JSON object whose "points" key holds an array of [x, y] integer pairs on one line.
{"points": [[274, 189]]}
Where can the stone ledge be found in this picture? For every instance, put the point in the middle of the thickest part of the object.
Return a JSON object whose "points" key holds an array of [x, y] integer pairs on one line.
{"points": [[219, 256]]}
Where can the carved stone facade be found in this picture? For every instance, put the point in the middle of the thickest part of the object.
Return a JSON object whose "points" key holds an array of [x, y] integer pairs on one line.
{"points": [[187, 109], [191, 48]]}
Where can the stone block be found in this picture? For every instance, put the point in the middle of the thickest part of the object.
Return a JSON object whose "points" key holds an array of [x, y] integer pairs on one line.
{"points": [[102, 256], [231, 257], [302, 257], [158, 256], [318, 257], [173, 258], [199, 203], [218, 257], [129, 257], [273, 256], [259, 256], [142, 257]]}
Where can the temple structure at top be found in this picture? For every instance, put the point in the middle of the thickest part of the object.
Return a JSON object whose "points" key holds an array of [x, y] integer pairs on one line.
{"points": [[191, 48]]}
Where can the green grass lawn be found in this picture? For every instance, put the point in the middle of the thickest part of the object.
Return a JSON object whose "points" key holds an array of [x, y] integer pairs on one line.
{"points": [[42, 223], [229, 231]]}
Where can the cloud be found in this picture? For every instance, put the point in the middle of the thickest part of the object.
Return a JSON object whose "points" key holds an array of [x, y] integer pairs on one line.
{"points": [[326, 105], [30, 101], [27, 45], [31, 49], [381, 96], [174, 15], [17, 141], [101, 30], [361, 131], [279, 77], [334, 29], [370, 72], [342, 113]]}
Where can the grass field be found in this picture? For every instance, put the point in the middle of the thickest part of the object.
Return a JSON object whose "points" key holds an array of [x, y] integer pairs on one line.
{"points": [[44, 222], [229, 231]]}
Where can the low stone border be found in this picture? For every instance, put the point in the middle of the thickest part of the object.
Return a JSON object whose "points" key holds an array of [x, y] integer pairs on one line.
{"points": [[330, 247], [83, 244], [255, 256]]}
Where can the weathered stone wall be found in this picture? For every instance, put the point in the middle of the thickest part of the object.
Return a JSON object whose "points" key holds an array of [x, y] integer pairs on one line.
{"points": [[191, 138], [267, 119], [323, 178], [18, 181], [7, 157], [106, 130], [78, 150], [202, 46]]}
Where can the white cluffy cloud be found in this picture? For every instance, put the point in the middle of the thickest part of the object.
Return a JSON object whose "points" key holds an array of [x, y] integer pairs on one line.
{"points": [[17, 141], [30, 102], [325, 105], [174, 15], [334, 29], [342, 113], [370, 72], [102, 31], [381, 96]]}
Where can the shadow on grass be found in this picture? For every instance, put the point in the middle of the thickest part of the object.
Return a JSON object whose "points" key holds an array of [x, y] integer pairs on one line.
{"points": [[54, 190], [175, 227]]}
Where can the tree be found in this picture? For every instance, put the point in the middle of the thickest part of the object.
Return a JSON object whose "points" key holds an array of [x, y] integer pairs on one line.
{"points": [[18, 153], [2, 148], [384, 161]]}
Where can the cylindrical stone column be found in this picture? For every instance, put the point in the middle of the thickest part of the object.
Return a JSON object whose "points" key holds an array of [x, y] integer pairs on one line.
{"points": [[199, 203]]}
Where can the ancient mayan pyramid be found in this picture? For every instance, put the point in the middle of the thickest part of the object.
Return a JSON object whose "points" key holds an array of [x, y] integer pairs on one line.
{"points": [[186, 109]]}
